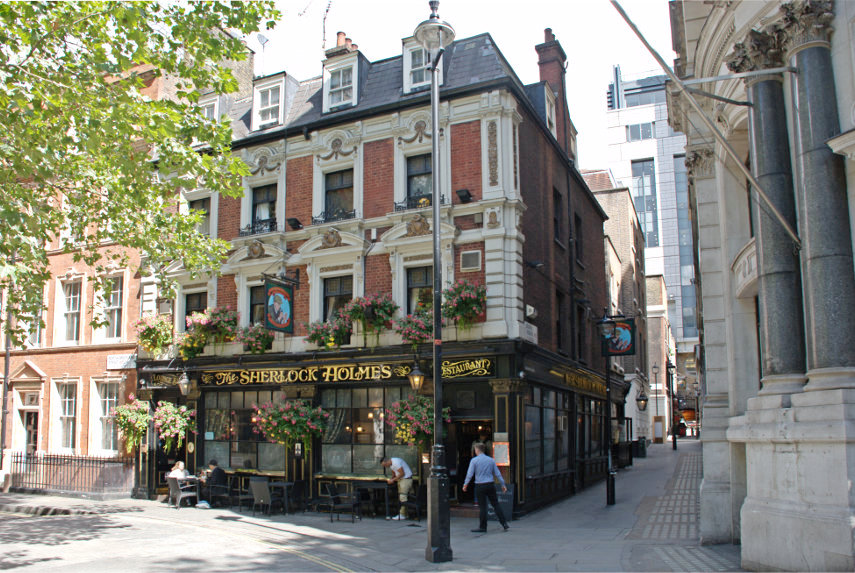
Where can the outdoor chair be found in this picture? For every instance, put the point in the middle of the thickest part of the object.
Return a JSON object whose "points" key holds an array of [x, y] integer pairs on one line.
{"points": [[178, 492], [237, 495], [261, 496], [339, 503], [417, 502]]}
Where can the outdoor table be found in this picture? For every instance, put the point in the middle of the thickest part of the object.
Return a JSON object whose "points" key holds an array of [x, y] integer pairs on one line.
{"points": [[375, 487], [284, 486], [375, 483]]}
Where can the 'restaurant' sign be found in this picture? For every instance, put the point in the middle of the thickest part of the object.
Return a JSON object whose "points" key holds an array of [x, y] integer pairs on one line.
{"points": [[468, 368]]}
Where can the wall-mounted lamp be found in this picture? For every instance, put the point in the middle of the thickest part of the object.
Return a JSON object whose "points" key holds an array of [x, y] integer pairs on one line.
{"points": [[464, 195], [417, 378], [294, 223], [641, 400], [184, 384], [535, 264]]}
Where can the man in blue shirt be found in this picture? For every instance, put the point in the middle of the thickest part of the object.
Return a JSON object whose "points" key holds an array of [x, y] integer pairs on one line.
{"points": [[482, 467]]}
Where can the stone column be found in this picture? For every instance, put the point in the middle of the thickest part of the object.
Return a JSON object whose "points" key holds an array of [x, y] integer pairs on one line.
{"points": [[827, 267], [778, 275]]}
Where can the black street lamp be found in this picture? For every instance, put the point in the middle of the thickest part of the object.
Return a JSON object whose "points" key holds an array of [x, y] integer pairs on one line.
{"points": [[670, 372], [434, 35], [641, 400], [607, 327]]}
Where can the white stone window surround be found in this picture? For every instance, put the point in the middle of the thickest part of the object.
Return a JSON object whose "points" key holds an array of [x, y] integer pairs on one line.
{"points": [[213, 207], [347, 259], [55, 439], [96, 415], [180, 303], [59, 308], [264, 86], [410, 45], [20, 407], [99, 335], [405, 149], [337, 66], [210, 103], [337, 162], [551, 116], [267, 168], [247, 273]]}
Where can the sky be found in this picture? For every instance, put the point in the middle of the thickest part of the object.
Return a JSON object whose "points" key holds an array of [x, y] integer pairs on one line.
{"points": [[592, 33]]}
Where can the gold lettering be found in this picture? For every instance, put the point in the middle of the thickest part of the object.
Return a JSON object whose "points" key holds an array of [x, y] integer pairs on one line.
{"points": [[385, 371], [364, 373]]}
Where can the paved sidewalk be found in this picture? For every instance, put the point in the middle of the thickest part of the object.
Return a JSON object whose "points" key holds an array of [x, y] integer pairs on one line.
{"points": [[652, 527]]}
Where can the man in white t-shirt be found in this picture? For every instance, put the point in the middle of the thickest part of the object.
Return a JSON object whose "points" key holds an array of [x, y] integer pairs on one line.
{"points": [[403, 476]]}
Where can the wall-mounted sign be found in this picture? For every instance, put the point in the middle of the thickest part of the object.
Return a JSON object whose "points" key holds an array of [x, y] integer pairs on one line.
{"points": [[623, 341], [469, 367], [309, 374], [121, 361], [502, 453], [161, 380], [586, 383], [280, 311]]}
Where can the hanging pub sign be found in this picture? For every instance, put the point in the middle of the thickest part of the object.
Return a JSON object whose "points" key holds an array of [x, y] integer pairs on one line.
{"points": [[280, 310], [623, 341]]}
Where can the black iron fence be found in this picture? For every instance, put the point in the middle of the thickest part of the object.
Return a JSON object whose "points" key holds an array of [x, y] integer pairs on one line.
{"points": [[87, 474]]}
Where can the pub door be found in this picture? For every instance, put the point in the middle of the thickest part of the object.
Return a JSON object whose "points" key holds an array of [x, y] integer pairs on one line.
{"points": [[462, 437]]}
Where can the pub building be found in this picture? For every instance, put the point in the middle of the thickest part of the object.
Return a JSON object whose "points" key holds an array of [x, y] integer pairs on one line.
{"points": [[338, 206]]}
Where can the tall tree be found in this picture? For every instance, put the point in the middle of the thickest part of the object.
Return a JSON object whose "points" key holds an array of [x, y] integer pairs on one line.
{"points": [[85, 154]]}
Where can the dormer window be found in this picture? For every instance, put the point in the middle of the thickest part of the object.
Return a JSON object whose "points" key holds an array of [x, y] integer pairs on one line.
{"points": [[417, 66], [268, 102], [208, 107], [341, 86], [550, 111]]}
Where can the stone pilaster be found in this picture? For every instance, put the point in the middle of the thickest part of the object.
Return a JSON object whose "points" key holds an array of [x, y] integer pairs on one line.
{"points": [[827, 266], [778, 273]]}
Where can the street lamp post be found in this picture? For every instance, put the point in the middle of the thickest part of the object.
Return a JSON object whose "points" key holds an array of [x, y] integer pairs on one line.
{"points": [[655, 370], [434, 35], [606, 327], [670, 373]]}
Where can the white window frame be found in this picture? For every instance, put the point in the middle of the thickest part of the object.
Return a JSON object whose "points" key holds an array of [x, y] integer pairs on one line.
{"points": [[61, 314], [213, 103], [258, 89], [58, 416], [213, 204], [339, 67], [102, 334], [410, 45], [98, 417], [551, 114], [319, 191], [181, 322]]}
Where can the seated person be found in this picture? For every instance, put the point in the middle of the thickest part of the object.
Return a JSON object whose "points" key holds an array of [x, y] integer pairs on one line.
{"points": [[216, 482], [178, 471]]}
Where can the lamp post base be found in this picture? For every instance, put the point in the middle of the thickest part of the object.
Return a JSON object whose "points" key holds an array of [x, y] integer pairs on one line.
{"points": [[610, 488], [438, 548]]}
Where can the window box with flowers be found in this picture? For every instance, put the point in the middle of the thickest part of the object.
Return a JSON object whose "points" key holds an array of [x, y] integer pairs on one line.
{"points": [[132, 420], [290, 422], [372, 313], [464, 303], [415, 329], [412, 420], [213, 326], [256, 338], [154, 333], [329, 334], [172, 423]]}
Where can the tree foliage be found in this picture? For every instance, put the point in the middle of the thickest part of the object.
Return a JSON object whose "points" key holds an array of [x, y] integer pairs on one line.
{"points": [[85, 153]]}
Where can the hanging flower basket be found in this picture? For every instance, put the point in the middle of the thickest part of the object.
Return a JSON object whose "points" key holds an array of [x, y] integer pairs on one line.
{"points": [[154, 332], [172, 423], [256, 338], [464, 303], [290, 422], [373, 313], [329, 334], [132, 420], [412, 420], [415, 329]]}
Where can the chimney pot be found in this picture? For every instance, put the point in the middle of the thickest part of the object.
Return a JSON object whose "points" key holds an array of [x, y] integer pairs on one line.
{"points": [[347, 43], [548, 36], [354, 46], [340, 39]]}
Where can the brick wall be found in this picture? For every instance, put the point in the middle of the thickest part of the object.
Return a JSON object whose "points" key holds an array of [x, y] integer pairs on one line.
{"points": [[466, 159], [378, 275], [378, 178], [298, 185], [228, 218], [227, 293], [301, 302]]}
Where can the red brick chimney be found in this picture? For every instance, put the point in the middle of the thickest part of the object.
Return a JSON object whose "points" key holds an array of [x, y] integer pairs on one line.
{"points": [[551, 61]]}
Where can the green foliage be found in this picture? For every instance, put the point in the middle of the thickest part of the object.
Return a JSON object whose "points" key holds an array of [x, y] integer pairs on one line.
{"points": [[132, 420], [172, 423], [86, 154], [154, 332], [255, 338], [329, 334], [289, 422], [412, 420], [464, 303]]}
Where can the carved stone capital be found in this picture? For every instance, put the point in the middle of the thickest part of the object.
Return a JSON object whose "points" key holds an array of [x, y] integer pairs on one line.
{"points": [[759, 51], [806, 22], [699, 163]]}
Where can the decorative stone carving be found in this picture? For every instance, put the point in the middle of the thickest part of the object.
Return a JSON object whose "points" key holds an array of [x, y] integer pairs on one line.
{"points": [[420, 133], [336, 150], [493, 152], [759, 51], [516, 161], [699, 163], [265, 160], [417, 226], [493, 218], [331, 239], [255, 250], [807, 21]]}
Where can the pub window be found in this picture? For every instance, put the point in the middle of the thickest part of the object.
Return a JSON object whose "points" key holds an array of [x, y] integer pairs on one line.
{"points": [[547, 435], [264, 204], [337, 292], [356, 438], [419, 288], [256, 304], [194, 302], [229, 436], [338, 195], [419, 176], [203, 206]]}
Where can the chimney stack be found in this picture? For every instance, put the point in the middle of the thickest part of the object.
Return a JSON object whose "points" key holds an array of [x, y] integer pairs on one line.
{"points": [[339, 41], [551, 61]]}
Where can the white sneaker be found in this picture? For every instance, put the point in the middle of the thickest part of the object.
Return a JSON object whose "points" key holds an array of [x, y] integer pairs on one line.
{"points": [[399, 517]]}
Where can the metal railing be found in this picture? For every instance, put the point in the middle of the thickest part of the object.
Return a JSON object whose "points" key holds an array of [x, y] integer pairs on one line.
{"points": [[417, 202], [260, 226], [330, 216], [53, 472]]}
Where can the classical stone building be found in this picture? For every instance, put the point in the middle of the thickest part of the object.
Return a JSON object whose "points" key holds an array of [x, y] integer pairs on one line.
{"points": [[775, 271]]}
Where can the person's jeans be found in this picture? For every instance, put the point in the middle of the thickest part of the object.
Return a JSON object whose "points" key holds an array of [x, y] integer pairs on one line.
{"points": [[483, 492], [404, 487]]}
